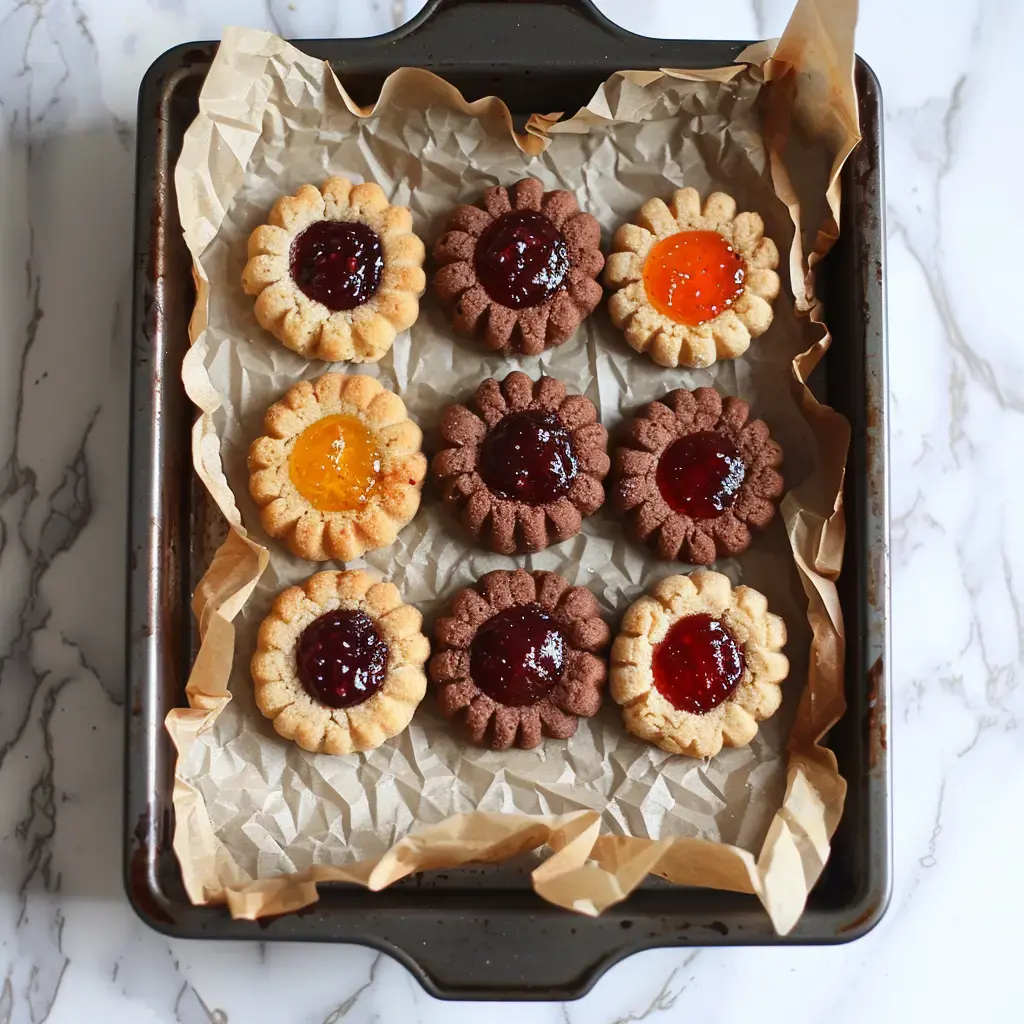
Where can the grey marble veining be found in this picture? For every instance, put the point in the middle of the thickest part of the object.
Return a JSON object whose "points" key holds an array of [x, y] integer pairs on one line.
{"points": [[71, 950]]}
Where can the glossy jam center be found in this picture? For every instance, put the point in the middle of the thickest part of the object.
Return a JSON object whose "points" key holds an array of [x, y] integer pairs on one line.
{"points": [[335, 464], [698, 665], [338, 263], [528, 457], [517, 655], [342, 659], [700, 474], [521, 259], [693, 276]]}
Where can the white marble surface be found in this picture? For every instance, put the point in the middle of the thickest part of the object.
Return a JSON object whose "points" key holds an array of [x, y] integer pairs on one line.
{"points": [[71, 950]]}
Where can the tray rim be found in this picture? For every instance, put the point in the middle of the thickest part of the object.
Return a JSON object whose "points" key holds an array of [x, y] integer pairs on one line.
{"points": [[858, 917]]}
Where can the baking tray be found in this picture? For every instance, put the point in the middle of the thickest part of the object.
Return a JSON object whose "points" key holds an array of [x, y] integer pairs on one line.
{"points": [[481, 932]]}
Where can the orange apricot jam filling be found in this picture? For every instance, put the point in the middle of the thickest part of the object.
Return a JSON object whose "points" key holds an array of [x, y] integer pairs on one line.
{"points": [[336, 463], [693, 276]]}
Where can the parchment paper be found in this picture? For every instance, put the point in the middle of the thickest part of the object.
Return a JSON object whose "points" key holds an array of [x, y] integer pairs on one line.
{"points": [[258, 820]]}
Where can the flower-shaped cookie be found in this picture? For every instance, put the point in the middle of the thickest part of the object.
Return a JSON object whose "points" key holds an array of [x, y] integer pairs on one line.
{"points": [[697, 664], [339, 663], [519, 270], [337, 272], [692, 287], [339, 470], [516, 658], [523, 463], [694, 475]]}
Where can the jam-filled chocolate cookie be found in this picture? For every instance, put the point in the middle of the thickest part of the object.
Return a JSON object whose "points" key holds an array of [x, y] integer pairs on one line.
{"points": [[692, 286], [339, 470], [519, 270], [694, 475], [517, 658], [698, 664], [337, 272], [522, 464], [339, 663]]}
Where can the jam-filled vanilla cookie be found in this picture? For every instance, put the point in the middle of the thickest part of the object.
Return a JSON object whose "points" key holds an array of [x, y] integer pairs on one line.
{"points": [[692, 286], [698, 664], [337, 272], [522, 464], [694, 475], [518, 271], [339, 663], [339, 470], [517, 658]]}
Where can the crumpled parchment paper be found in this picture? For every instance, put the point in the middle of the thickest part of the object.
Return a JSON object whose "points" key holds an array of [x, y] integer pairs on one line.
{"points": [[258, 820]]}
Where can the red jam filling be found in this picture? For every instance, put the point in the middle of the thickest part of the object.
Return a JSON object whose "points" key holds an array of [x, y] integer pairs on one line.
{"points": [[693, 276], [342, 659], [517, 656], [698, 665], [338, 263], [521, 259], [701, 474], [528, 457]]}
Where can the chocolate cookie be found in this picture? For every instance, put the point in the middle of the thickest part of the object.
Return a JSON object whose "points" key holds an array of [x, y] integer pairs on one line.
{"points": [[523, 463], [519, 270], [516, 658], [693, 476]]}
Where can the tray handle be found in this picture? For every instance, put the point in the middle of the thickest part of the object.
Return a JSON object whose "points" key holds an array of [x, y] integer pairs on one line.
{"points": [[451, 15]]}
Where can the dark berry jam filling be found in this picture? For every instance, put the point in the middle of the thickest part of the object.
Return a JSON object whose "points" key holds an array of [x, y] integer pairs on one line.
{"points": [[517, 655], [521, 259], [338, 263], [701, 474], [528, 457], [342, 659], [698, 665]]}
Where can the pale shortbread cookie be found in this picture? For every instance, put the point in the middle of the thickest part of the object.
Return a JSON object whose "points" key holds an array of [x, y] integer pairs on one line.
{"points": [[393, 501], [359, 335], [728, 334], [760, 635], [297, 715]]}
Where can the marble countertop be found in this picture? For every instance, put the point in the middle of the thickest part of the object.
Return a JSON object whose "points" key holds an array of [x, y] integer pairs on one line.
{"points": [[71, 949]]}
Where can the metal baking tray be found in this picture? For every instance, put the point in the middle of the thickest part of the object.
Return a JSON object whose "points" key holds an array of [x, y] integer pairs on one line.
{"points": [[481, 932]]}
